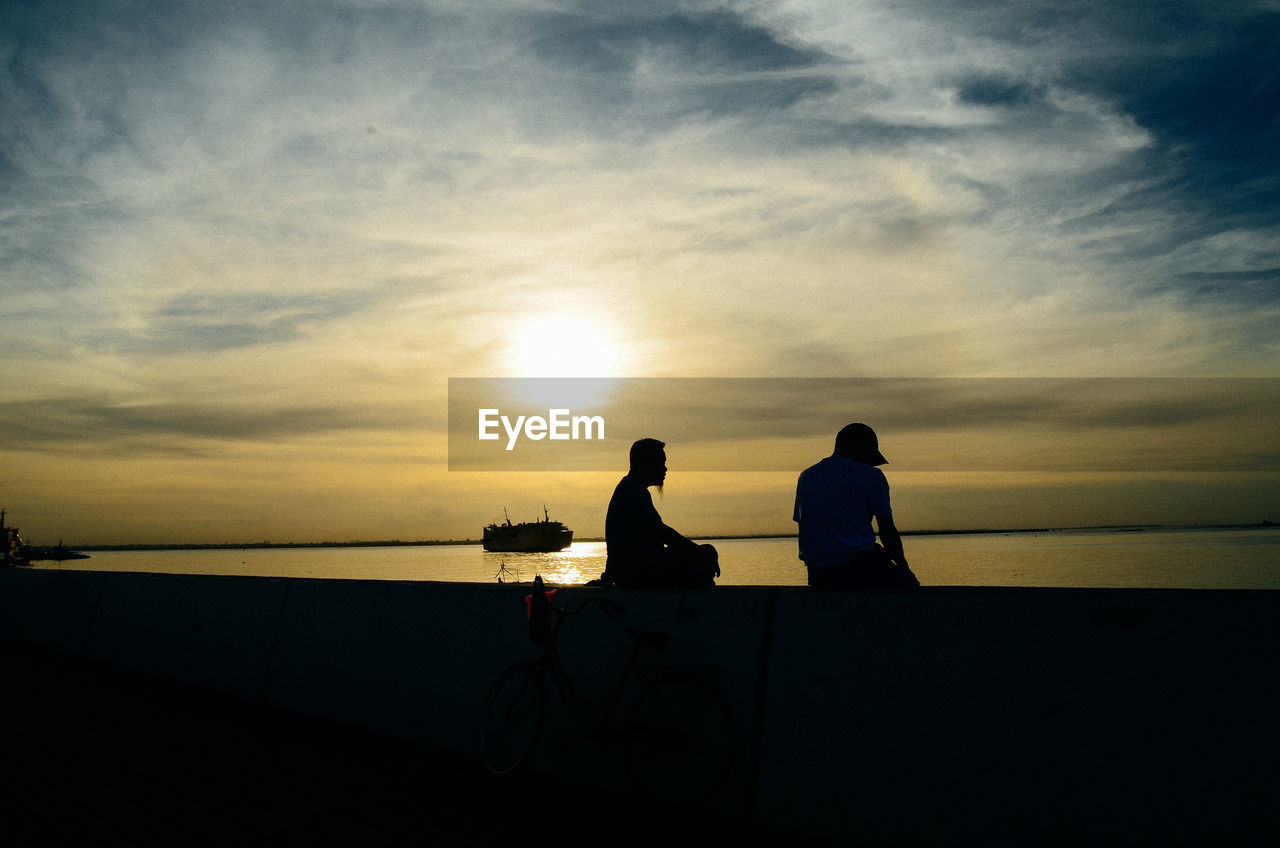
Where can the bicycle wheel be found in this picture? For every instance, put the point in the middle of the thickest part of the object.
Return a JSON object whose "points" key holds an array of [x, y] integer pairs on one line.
{"points": [[678, 738], [512, 717]]}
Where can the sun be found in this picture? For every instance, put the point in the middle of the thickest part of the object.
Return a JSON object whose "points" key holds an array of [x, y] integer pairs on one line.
{"points": [[556, 346]]}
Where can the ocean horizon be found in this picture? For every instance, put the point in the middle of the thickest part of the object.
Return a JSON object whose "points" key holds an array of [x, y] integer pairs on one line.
{"points": [[1237, 557], [373, 543]]}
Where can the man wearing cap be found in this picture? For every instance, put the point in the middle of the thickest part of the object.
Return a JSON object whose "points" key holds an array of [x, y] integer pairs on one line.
{"points": [[835, 502]]}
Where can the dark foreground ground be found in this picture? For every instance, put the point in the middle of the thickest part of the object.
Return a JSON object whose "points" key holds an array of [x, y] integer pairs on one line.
{"points": [[96, 755]]}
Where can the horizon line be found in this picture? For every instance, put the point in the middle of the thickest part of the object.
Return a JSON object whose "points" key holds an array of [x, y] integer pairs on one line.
{"points": [[370, 543]]}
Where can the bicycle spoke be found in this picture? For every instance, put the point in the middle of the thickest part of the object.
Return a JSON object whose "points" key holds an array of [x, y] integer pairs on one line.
{"points": [[679, 738]]}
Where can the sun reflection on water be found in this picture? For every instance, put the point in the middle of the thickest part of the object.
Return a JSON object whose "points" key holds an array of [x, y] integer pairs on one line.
{"points": [[575, 565]]}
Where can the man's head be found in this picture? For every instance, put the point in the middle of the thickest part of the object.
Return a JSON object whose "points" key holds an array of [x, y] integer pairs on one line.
{"points": [[649, 462], [859, 442]]}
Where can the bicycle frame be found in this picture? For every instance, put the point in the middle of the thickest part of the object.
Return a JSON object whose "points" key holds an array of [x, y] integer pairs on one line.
{"points": [[632, 669], [675, 731]]}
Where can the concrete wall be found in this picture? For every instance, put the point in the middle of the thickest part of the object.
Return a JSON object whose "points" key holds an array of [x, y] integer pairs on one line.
{"points": [[953, 712], [1007, 713]]}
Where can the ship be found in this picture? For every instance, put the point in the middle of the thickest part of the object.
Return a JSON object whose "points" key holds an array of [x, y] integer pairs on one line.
{"points": [[527, 536], [15, 551]]}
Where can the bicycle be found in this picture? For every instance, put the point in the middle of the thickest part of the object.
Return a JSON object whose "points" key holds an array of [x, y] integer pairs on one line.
{"points": [[677, 735]]}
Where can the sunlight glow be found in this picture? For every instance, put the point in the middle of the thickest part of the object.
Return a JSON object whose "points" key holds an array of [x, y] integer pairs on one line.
{"points": [[564, 346]]}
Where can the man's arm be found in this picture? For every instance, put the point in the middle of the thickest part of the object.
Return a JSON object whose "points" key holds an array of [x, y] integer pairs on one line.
{"points": [[676, 541], [890, 539], [673, 538]]}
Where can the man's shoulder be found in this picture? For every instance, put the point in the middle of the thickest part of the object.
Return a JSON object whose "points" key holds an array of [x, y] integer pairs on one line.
{"points": [[631, 488], [840, 466], [834, 463], [628, 482], [818, 467]]}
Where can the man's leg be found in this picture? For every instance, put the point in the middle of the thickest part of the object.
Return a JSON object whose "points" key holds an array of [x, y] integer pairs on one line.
{"points": [[869, 570], [694, 567], [704, 565], [842, 577], [883, 573]]}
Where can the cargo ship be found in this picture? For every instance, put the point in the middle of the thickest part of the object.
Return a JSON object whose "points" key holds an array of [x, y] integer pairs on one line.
{"points": [[527, 536], [15, 551]]}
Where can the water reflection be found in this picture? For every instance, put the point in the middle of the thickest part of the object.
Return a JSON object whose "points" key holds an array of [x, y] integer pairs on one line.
{"points": [[1174, 559], [575, 565]]}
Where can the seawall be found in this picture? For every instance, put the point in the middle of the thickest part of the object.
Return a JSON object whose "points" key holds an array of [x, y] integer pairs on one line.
{"points": [[952, 713]]}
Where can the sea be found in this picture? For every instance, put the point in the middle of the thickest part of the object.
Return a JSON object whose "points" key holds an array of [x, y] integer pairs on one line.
{"points": [[1181, 558]]}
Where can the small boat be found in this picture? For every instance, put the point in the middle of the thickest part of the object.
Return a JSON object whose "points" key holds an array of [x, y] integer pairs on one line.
{"points": [[527, 536]]}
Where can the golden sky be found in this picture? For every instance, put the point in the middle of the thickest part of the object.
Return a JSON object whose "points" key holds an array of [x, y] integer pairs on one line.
{"points": [[244, 248]]}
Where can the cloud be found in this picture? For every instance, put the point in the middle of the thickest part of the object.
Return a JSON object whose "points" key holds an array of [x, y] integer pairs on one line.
{"points": [[93, 425], [1199, 80], [1259, 286], [204, 322], [329, 206], [682, 62], [991, 90]]}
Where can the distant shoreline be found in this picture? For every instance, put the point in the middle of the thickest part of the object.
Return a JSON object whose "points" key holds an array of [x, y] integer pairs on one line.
{"points": [[397, 543]]}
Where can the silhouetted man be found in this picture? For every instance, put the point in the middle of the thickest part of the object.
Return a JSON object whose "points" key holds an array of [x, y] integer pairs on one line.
{"points": [[835, 502], [642, 551]]}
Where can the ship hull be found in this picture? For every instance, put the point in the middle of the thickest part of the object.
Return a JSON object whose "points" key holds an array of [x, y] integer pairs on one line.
{"points": [[527, 539]]}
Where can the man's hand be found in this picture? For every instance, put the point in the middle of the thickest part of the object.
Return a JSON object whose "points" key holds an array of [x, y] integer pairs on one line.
{"points": [[890, 539]]}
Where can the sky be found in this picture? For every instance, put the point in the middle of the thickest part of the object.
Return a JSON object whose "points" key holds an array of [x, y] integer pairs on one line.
{"points": [[245, 246]]}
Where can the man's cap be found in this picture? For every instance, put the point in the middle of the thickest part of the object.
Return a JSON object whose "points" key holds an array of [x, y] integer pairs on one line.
{"points": [[858, 441]]}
